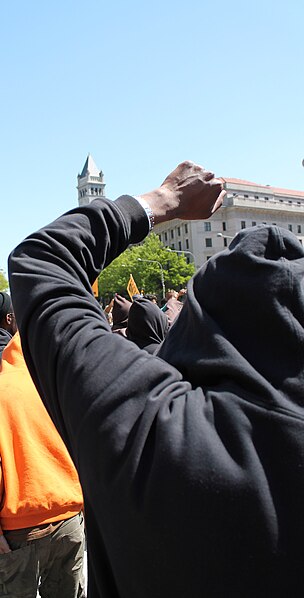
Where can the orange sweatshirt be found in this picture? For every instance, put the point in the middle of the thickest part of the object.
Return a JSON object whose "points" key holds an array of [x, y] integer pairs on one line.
{"points": [[38, 481]]}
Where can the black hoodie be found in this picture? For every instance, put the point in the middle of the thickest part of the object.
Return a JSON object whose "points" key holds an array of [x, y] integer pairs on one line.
{"points": [[193, 488], [147, 324]]}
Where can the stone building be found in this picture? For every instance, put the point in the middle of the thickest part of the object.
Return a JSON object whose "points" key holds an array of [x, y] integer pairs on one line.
{"points": [[246, 204]]}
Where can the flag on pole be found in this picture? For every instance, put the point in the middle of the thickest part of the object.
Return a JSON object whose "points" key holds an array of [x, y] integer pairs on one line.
{"points": [[132, 287], [95, 288]]}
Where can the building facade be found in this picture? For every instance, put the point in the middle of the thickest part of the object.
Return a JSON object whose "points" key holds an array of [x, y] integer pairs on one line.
{"points": [[246, 204], [90, 183]]}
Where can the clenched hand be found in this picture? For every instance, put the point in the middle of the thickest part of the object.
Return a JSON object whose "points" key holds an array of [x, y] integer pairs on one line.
{"points": [[190, 192]]}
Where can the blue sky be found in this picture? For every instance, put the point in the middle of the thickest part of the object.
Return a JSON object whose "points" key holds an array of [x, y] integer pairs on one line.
{"points": [[143, 86]]}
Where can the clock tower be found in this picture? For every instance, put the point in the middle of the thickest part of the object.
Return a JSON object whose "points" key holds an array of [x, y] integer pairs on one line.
{"points": [[90, 182]]}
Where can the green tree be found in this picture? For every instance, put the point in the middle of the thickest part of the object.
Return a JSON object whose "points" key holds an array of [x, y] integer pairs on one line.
{"points": [[146, 262], [3, 281]]}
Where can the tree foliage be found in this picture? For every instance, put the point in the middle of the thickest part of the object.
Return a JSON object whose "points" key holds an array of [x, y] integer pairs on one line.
{"points": [[3, 282], [147, 275]]}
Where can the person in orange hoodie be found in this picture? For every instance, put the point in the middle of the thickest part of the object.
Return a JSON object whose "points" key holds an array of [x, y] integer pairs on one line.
{"points": [[41, 522]]}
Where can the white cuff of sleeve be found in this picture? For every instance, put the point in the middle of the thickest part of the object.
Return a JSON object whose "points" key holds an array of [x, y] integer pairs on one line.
{"points": [[147, 209]]}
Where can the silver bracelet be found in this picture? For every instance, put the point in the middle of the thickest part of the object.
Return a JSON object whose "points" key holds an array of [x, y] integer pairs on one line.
{"points": [[147, 209]]}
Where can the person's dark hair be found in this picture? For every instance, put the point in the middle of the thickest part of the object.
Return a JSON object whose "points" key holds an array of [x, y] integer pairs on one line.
{"points": [[150, 296], [6, 306]]}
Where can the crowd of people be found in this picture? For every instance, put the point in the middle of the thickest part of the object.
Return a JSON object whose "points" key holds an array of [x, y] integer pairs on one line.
{"points": [[141, 320], [182, 421]]}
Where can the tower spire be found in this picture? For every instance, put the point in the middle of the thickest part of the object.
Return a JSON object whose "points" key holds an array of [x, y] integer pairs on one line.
{"points": [[90, 183]]}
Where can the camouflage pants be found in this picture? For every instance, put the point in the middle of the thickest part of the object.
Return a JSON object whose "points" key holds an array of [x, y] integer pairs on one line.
{"points": [[53, 564]]}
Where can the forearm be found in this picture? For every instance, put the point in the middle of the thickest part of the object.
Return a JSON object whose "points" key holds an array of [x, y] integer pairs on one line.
{"points": [[51, 274], [83, 372]]}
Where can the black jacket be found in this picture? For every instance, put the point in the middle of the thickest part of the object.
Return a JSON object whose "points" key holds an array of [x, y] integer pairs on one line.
{"points": [[193, 487]]}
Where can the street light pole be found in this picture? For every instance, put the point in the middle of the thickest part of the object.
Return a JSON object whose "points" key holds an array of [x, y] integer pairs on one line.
{"points": [[161, 273], [224, 236], [181, 251]]}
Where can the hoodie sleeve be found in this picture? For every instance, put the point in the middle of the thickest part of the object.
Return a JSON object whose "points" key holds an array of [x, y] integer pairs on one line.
{"points": [[87, 376]]}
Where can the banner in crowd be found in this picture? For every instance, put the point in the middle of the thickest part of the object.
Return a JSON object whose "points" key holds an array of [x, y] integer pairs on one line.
{"points": [[132, 287]]}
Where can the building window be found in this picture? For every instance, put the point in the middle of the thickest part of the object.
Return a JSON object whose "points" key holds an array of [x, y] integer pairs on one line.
{"points": [[290, 227], [180, 245], [225, 242], [166, 237], [299, 229], [274, 224], [186, 228], [253, 223], [159, 236], [243, 224], [172, 246], [172, 233], [266, 198], [256, 197], [208, 242], [188, 259], [187, 243], [246, 196], [178, 231], [207, 227], [224, 225]]}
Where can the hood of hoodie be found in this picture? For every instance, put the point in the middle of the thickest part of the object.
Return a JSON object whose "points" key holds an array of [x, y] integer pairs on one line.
{"points": [[120, 312], [147, 324], [243, 320]]}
